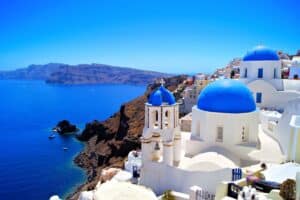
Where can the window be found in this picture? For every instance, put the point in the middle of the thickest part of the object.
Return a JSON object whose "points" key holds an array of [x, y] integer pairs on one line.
{"points": [[258, 97], [260, 73], [275, 76], [166, 113], [166, 120], [246, 73], [244, 135], [155, 119], [198, 128], [219, 134]]}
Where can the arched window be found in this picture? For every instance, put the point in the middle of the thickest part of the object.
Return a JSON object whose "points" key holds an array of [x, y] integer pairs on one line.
{"points": [[167, 114], [219, 137], [275, 75], [246, 73], [155, 119], [166, 119]]}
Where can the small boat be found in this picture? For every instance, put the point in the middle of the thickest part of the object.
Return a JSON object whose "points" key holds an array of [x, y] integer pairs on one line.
{"points": [[51, 136], [65, 148], [54, 129]]}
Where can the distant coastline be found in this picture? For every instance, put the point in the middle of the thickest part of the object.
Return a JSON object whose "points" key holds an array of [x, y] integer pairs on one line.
{"points": [[57, 73]]}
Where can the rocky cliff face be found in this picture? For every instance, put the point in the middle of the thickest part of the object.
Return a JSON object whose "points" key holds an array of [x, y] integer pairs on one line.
{"points": [[109, 142]]}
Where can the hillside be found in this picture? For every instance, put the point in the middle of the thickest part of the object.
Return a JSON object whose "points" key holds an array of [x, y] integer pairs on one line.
{"points": [[109, 142], [83, 74], [32, 72], [98, 73]]}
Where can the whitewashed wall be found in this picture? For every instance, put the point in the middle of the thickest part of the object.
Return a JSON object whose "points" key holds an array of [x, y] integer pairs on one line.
{"points": [[161, 177], [283, 130], [204, 133], [268, 69], [291, 84], [271, 98]]}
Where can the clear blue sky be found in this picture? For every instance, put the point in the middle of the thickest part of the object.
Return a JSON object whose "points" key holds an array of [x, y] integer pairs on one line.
{"points": [[171, 36]]}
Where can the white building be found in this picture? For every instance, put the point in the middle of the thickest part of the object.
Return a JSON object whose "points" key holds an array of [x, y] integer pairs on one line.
{"points": [[225, 118], [235, 123], [261, 70], [161, 134], [190, 94]]}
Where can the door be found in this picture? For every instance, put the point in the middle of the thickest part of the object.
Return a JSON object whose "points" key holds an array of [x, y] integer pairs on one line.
{"points": [[260, 73], [258, 97]]}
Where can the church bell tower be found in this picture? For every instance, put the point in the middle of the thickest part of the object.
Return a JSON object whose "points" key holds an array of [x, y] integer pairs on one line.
{"points": [[161, 140]]}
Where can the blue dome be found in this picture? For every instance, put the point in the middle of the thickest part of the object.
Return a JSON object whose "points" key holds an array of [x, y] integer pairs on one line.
{"points": [[260, 54], [226, 96], [160, 96]]}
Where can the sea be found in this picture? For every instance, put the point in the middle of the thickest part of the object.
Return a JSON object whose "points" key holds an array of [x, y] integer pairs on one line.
{"points": [[32, 166]]}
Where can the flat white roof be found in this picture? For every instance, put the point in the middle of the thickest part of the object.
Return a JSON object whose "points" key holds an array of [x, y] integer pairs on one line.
{"points": [[269, 113], [113, 190], [209, 161], [280, 173]]}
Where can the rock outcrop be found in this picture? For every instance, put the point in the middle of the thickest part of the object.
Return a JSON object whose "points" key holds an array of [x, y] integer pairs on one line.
{"points": [[64, 127], [109, 142]]}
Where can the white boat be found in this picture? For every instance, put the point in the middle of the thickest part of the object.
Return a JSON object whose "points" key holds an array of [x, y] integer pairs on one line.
{"points": [[51, 136]]}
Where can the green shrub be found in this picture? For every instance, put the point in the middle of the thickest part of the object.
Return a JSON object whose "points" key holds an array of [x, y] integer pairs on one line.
{"points": [[288, 189], [168, 195]]}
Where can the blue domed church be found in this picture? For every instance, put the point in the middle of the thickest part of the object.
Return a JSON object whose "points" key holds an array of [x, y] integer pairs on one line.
{"points": [[226, 118], [161, 135], [224, 132], [232, 126]]}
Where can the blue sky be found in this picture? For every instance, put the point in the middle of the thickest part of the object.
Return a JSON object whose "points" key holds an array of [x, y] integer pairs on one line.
{"points": [[170, 36]]}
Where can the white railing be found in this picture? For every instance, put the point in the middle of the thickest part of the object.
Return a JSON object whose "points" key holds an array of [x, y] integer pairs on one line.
{"points": [[197, 193]]}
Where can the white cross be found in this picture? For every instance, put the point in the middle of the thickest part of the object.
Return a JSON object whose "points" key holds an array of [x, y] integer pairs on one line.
{"points": [[162, 82]]}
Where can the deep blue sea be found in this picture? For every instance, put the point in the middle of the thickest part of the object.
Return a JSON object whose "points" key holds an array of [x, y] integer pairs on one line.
{"points": [[32, 167]]}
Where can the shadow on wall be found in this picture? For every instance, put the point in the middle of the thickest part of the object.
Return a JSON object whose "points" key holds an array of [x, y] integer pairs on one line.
{"points": [[238, 161]]}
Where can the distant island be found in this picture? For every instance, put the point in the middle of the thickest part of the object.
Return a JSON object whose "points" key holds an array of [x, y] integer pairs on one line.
{"points": [[58, 73]]}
